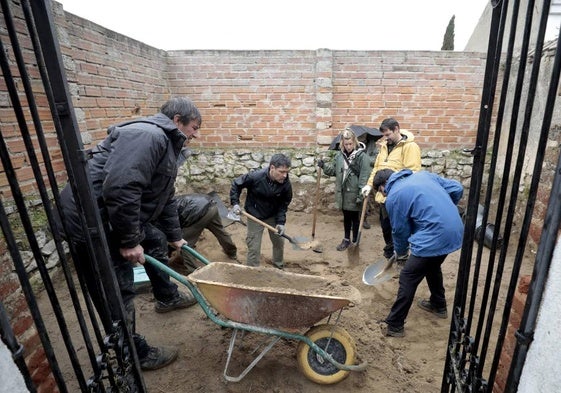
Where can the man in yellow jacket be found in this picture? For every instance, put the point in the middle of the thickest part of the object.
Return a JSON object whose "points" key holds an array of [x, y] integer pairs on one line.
{"points": [[398, 151]]}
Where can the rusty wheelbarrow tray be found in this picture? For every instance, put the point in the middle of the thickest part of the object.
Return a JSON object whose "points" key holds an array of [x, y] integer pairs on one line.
{"points": [[279, 304]]}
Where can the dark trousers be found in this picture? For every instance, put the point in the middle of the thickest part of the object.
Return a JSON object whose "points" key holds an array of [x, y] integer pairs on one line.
{"points": [[155, 244], [124, 274], [413, 272], [351, 221], [386, 231], [125, 280]]}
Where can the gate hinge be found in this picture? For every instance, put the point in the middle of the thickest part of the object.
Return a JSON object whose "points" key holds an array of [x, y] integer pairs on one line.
{"points": [[524, 338]]}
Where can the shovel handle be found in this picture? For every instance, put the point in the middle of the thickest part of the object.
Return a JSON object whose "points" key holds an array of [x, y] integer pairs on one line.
{"points": [[316, 203], [269, 227], [362, 216]]}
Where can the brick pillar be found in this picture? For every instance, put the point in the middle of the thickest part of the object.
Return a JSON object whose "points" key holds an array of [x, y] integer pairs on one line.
{"points": [[324, 95], [516, 311]]}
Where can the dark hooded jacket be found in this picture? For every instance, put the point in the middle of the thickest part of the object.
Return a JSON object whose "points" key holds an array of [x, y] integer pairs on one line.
{"points": [[133, 173]]}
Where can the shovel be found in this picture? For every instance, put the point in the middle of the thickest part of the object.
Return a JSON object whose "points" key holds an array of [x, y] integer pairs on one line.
{"points": [[318, 247], [299, 243], [362, 216], [379, 272]]}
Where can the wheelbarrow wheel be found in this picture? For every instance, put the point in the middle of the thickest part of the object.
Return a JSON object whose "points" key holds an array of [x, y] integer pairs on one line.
{"points": [[340, 345]]}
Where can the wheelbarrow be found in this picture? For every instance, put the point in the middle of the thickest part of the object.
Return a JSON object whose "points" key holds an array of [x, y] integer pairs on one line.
{"points": [[279, 304]]}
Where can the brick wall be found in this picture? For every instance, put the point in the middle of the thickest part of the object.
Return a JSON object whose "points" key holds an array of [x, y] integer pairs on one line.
{"points": [[248, 99], [516, 312], [279, 98]]}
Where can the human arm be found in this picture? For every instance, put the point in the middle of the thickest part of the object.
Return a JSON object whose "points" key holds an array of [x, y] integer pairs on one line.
{"points": [[238, 184], [411, 157], [285, 199], [129, 172], [453, 187], [401, 226]]}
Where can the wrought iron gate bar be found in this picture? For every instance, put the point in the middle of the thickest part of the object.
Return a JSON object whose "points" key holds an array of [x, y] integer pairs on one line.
{"points": [[71, 145], [118, 345], [467, 349], [7, 336]]}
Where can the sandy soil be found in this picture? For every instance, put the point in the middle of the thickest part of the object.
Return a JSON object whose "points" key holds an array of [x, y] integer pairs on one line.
{"points": [[411, 364]]}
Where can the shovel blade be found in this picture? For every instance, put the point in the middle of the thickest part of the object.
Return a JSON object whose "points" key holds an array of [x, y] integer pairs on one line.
{"points": [[378, 272]]}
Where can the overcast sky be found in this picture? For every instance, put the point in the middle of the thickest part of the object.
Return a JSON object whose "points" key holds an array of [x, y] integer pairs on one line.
{"points": [[287, 24]]}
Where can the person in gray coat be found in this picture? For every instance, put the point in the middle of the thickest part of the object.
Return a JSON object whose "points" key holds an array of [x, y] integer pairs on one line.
{"points": [[351, 168]]}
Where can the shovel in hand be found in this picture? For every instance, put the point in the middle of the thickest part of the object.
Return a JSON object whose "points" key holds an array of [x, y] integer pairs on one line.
{"points": [[362, 216], [298, 243]]}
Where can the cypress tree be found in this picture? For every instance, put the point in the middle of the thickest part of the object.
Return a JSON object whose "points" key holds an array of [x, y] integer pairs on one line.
{"points": [[448, 42]]}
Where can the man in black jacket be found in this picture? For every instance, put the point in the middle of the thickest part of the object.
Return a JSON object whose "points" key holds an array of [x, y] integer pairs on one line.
{"points": [[133, 173], [269, 193]]}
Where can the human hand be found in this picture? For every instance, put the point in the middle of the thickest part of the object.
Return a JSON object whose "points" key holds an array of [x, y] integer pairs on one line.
{"points": [[236, 210], [321, 163], [365, 190], [134, 254], [178, 244], [400, 259], [280, 229]]}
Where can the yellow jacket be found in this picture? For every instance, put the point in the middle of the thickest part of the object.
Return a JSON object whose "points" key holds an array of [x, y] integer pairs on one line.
{"points": [[406, 154]]}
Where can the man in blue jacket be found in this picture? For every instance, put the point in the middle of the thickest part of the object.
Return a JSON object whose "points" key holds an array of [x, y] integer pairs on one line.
{"points": [[425, 219]]}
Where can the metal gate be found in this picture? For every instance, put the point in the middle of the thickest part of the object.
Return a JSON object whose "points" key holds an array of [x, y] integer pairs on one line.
{"points": [[111, 363], [513, 132]]}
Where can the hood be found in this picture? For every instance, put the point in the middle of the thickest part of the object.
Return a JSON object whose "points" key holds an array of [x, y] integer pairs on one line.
{"points": [[361, 147], [159, 119], [402, 174], [408, 137]]}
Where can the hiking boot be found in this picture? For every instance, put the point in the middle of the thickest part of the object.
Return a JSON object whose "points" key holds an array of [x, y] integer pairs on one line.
{"points": [[344, 245], [395, 332], [181, 300], [158, 357], [427, 306], [366, 225]]}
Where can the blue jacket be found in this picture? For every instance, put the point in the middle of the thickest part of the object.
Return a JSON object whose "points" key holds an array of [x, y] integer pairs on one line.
{"points": [[423, 213]]}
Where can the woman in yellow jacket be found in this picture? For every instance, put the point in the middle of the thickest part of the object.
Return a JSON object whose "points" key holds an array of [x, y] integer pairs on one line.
{"points": [[398, 151]]}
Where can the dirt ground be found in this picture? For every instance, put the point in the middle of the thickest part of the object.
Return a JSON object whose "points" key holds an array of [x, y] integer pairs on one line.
{"points": [[410, 364], [413, 363]]}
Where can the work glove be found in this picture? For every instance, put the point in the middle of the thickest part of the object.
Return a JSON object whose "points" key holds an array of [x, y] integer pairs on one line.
{"points": [[280, 229], [321, 163], [365, 190], [400, 259], [237, 210]]}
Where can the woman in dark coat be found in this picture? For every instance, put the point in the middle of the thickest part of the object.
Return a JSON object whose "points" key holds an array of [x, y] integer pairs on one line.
{"points": [[351, 168]]}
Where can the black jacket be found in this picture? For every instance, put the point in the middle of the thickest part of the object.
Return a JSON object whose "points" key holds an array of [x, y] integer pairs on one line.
{"points": [[265, 197], [192, 207], [133, 173]]}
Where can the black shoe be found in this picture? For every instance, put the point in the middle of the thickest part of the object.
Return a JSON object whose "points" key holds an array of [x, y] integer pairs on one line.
{"points": [[158, 357], [366, 225], [427, 306], [395, 332], [388, 250], [344, 245], [181, 300]]}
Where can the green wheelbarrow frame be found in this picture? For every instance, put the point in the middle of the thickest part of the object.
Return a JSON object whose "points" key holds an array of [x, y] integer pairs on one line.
{"points": [[276, 333]]}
